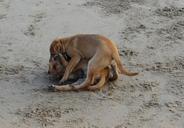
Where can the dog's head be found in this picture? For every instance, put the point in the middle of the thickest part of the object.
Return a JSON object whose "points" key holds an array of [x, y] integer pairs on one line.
{"points": [[56, 66], [58, 57]]}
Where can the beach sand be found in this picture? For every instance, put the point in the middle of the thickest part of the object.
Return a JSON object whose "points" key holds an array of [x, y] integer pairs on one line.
{"points": [[150, 38]]}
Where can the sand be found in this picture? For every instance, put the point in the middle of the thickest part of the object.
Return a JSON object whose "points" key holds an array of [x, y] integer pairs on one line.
{"points": [[150, 38]]}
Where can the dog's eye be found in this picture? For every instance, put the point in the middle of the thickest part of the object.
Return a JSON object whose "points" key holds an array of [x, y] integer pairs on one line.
{"points": [[56, 57]]}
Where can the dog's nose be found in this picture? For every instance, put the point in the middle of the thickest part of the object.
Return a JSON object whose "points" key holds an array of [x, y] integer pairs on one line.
{"points": [[48, 72]]}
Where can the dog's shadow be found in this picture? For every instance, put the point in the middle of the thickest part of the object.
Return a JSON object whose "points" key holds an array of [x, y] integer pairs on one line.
{"points": [[43, 81]]}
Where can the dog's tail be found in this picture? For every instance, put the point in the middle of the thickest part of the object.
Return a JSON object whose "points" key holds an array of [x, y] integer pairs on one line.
{"points": [[122, 69]]}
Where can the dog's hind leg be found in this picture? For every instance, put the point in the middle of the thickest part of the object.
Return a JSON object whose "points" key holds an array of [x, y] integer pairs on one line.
{"points": [[91, 71], [104, 74], [86, 85], [69, 87], [91, 75]]}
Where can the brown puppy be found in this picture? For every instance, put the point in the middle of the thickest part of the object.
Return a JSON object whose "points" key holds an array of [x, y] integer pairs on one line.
{"points": [[99, 50], [58, 64]]}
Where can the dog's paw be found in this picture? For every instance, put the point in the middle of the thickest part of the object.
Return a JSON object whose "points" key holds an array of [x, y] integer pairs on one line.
{"points": [[63, 82], [51, 88]]}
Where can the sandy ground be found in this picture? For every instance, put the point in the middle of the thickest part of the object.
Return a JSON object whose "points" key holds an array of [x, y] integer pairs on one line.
{"points": [[150, 37]]}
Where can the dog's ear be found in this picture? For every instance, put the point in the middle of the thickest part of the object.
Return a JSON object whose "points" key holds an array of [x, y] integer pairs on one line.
{"points": [[55, 47], [59, 47], [52, 47]]}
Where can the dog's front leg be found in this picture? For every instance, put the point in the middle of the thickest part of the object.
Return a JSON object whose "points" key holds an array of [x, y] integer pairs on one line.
{"points": [[63, 60], [69, 68]]}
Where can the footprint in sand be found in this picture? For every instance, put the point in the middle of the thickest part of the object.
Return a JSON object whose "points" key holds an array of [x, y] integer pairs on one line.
{"points": [[33, 27], [173, 32], [170, 12], [30, 30], [109, 7]]}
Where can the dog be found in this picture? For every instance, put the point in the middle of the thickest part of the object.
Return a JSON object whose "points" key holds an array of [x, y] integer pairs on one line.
{"points": [[59, 62], [97, 49]]}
